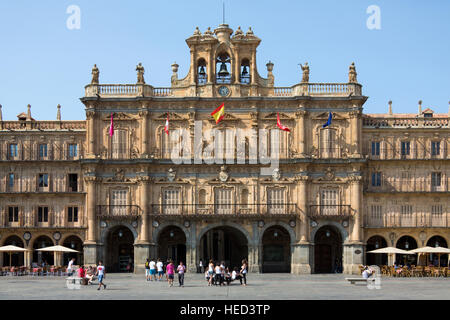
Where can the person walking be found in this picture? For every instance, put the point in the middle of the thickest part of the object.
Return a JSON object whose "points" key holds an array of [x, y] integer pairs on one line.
{"points": [[147, 269], [200, 266], [101, 275], [160, 269], [218, 275], [170, 270], [181, 270], [211, 272], [70, 267], [152, 265], [244, 271]]}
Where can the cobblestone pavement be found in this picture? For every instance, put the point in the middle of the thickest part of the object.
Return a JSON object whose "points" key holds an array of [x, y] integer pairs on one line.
{"points": [[260, 287]]}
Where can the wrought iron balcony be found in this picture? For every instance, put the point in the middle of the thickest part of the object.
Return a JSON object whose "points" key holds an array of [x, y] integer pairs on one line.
{"points": [[236, 209], [408, 185], [118, 211], [399, 220], [329, 211]]}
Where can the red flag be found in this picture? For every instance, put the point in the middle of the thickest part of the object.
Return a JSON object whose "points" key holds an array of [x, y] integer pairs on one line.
{"points": [[219, 113], [166, 127], [280, 125], [111, 127]]}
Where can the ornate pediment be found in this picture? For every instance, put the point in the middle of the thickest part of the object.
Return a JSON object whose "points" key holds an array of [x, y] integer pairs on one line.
{"points": [[120, 116], [273, 116], [227, 117], [324, 116], [172, 117]]}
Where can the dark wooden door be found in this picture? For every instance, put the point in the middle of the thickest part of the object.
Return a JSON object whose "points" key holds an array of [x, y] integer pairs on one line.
{"points": [[323, 263]]}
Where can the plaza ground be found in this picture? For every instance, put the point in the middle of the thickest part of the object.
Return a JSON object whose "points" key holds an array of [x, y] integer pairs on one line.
{"points": [[260, 287]]}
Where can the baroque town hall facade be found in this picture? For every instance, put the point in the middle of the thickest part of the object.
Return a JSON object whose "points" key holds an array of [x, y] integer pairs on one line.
{"points": [[364, 182]]}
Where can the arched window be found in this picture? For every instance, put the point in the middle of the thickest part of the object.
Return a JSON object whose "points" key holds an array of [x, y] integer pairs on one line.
{"points": [[202, 75], [223, 64], [245, 71]]}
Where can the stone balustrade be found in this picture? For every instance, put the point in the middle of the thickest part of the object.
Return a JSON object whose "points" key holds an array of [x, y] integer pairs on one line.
{"points": [[404, 122], [413, 220]]}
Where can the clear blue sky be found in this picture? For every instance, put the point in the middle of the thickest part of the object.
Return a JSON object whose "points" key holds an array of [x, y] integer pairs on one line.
{"points": [[43, 63]]}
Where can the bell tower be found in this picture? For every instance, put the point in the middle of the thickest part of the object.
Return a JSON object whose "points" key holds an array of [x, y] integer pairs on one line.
{"points": [[223, 64]]}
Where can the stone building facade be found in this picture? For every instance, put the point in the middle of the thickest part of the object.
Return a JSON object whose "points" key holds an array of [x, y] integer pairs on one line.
{"points": [[365, 181]]}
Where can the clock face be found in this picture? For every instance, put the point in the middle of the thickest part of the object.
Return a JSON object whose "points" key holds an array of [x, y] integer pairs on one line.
{"points": [[224, 91], [27, 236]]}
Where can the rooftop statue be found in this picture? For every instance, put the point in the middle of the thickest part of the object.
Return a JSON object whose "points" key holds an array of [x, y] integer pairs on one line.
{"points": [[140, 74], [305, 70], [352, 73], [95, 74]]}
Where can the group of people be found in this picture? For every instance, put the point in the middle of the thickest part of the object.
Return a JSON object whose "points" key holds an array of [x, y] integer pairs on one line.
{"points": [[218, 274], [88, 274], [155, 270]]}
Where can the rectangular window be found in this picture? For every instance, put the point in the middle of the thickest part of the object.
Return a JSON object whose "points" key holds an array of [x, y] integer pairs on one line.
{"points": [[376, 217], [171, 201], [223, 200], [405, 148], [437, 218], [375, 148], [72, 214], [435, 179], [275, 200], [435, 148], [11, 181], [119, 144], [42, 214], [73, 182], [329, 202], [329, 146], [13, 150], [42, 151], [73, 151], [13, 214], [376, 179], [119, 202], [43, 180]]}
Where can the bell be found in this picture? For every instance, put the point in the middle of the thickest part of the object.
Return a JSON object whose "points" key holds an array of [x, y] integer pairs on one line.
{"points": [[245, 71], [202, 71], [223, 72]]}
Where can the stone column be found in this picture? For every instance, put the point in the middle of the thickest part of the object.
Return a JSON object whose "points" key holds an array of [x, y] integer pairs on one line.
{"points": [[142, 247], [354, 139], [254, 255], [90, 245], [301, 132], [91, 133], [354, 250], [145, 136], [302, 205]]}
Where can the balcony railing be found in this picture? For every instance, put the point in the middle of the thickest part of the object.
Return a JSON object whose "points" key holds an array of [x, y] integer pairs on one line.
{"points": [[225, 209], [30, 220], [392, 220], [395, 153], [408, 185], [399, 122], [34, 153], [43, 125], [118, 211], [329, 211]]}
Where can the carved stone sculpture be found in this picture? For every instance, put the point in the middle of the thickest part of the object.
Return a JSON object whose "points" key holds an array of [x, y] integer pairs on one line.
{"points": [[140, 74], [352, 73], [95, 75], [305, 70]]}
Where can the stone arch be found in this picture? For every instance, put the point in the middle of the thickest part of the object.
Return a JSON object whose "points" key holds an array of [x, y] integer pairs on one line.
{"points": [[288, 228], [275, 249], [34, 237], [164, 225], [112, 225], [434, 234], [343, 232], [226, 224]]}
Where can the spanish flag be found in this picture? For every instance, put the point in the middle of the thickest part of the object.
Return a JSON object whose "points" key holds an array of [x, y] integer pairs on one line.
{"points": [[219, 113]]}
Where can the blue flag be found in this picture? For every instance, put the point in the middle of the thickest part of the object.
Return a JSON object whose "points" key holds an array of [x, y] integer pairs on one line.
{"points": [[330, 116]]}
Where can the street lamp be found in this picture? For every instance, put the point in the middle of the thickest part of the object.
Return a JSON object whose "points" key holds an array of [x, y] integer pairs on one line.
{"points": [[120, 233], [406, 245], [171, 234], [275, 234], [327, 233], [377, 245], [72, 244]]}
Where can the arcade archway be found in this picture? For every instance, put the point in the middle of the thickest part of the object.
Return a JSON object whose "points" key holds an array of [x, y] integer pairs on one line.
{"points": [[225, 244], [16, 258], [376, 242], [438, 241], [73, 242], [276, 255], [172, 245], [119, 250], [43, 256], [406, 243], [327, 250]]}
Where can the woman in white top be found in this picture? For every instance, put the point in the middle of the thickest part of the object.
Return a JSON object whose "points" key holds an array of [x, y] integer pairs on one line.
{"points": [[244, 271], [218, 276], [211, 272]]}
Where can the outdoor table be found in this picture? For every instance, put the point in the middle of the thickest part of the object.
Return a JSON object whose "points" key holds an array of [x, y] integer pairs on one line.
{"points": [[73, 282]]}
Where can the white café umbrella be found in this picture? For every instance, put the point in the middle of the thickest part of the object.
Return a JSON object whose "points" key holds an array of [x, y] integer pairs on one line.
{"points": [[10, 249], [390, 251], [437, 250], [57, 248]]}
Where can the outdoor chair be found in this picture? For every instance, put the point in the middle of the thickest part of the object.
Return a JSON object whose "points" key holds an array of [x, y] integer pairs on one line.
{"points": [[427, 271]]}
